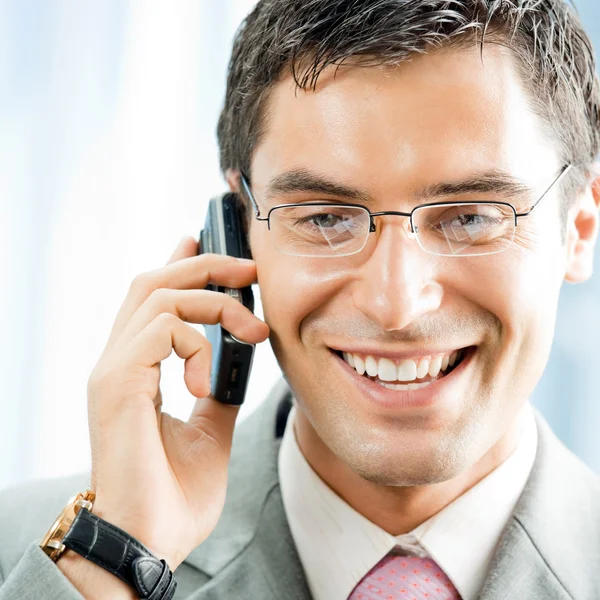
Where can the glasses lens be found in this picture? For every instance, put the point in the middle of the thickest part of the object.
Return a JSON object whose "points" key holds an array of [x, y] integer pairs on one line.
{"points": [[465, 229], [319, 229]]}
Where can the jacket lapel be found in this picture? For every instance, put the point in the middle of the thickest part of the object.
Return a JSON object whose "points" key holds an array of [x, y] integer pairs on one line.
{"points": [[251, 553], [550, 548]]}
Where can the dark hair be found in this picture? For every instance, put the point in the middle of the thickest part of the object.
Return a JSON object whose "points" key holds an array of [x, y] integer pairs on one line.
{"points": [[303, 37]]}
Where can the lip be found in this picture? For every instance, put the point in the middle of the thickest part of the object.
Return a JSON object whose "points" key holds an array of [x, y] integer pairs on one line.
{"points": [[439, 391], [414, 354]]}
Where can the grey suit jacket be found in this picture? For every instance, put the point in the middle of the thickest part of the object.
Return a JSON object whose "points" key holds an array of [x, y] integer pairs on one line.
{"points": [[550, 549]]}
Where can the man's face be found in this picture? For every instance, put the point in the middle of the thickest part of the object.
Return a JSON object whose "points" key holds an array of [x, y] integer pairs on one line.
{"points": [[390, 134]]}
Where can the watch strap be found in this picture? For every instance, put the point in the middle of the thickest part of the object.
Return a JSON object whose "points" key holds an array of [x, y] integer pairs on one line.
{"points": [[121, 554]]}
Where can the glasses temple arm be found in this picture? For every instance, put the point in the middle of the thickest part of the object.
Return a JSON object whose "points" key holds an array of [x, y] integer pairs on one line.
{"points": [[246, 186], [565, 170]]}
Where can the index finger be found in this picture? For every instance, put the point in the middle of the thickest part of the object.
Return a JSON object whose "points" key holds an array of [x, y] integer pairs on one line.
{"points": [[193, 272]]}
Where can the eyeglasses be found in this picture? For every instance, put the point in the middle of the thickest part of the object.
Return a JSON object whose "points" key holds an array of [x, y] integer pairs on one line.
{"points": [[327, 229]]}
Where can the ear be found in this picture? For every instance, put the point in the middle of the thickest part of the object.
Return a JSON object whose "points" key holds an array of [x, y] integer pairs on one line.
{"points": [[582, 232], [233, 179]]}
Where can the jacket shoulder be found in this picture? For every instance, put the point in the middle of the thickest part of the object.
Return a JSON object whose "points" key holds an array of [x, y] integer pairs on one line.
{"points": [[28, 511]]}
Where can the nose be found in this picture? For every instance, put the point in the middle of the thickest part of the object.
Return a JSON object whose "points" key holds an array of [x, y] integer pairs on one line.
{"points": [[396, 284]]}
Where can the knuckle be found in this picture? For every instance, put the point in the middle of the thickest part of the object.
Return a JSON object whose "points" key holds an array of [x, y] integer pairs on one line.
{"points": [[139, 383], [209, 257], [161, 298], [144, 283], [123, 380], [166, 319], [203, 261]]}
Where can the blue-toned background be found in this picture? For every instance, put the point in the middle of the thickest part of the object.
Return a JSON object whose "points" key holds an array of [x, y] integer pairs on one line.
{"points": [[107, 158]]}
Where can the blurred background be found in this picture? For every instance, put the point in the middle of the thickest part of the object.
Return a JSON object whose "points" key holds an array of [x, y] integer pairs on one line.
{"points": [[108, 156]]}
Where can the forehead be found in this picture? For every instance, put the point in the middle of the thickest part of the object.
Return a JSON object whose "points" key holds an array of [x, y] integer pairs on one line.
{"points": [[437, 117]]}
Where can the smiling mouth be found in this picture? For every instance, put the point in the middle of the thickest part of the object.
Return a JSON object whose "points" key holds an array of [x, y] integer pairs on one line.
{"points": [[407, 374]]}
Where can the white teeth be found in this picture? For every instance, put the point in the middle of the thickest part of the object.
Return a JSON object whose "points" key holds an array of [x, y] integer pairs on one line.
{"points": [[435, 366], [423, 367], [359, 365], [387, 370], [371, 365], [407, 370], [445, 361]]}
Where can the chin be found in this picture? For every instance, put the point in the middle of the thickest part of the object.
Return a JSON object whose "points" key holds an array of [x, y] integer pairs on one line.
{"points": [[401, 461], [407, 476]]}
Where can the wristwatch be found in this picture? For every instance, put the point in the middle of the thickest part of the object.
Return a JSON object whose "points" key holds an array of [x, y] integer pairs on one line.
{"points": [[78, 529]]}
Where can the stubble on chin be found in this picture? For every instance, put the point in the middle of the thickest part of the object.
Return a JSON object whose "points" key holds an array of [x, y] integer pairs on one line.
{"points": [[381, 454]]}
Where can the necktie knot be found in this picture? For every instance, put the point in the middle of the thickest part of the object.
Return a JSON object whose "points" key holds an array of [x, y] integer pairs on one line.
{"points": [[405, 578]]}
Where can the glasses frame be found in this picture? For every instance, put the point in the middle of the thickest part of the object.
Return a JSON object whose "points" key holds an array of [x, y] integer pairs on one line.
{"points": [[413, 229]]}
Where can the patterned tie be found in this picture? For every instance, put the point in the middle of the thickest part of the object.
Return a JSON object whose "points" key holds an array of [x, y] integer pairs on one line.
{"points": [[405, 578]]}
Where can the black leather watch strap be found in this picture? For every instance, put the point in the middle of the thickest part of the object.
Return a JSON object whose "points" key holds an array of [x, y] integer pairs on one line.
{"points": [[122, 555]]}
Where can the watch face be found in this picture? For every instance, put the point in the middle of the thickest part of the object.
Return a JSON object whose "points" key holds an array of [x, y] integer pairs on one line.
{"points": [[52, 542]]}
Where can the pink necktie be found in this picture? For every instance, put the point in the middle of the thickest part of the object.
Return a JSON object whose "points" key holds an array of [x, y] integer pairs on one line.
{"points": [[405, 578]]}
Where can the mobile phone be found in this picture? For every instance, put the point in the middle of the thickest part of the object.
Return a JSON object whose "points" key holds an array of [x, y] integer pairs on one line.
{"points": [[224, 233]]}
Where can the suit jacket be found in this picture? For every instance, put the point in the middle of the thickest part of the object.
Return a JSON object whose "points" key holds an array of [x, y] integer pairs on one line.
{"points": [[549, 550]]}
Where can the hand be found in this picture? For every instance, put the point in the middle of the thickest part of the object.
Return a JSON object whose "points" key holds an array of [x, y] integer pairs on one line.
{"points": [[160, 479]]}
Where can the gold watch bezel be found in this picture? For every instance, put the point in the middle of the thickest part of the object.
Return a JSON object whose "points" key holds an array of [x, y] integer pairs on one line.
{"points": [[52, 543]]}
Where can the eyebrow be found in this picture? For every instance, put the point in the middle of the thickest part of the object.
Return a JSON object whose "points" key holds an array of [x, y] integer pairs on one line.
{"points": [[298, 181], [486, 182]]}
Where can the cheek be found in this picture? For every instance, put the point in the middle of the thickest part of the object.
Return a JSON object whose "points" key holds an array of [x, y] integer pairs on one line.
{"points": [[535, 270], [521, 288], [291, 288], [291, 291]]}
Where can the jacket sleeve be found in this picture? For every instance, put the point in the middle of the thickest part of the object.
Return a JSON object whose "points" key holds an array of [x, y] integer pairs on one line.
{"points": [[34, 577], [26, 513], [26, 573]]}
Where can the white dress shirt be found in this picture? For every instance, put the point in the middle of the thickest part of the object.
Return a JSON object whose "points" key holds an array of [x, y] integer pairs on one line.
{"points": [[338, 546]]}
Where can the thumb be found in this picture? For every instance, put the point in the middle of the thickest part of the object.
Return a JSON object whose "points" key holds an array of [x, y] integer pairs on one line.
{"points": [[216, 419]]}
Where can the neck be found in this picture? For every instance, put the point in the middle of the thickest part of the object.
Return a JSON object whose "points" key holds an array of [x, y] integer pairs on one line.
{"points": [[396, 509]]}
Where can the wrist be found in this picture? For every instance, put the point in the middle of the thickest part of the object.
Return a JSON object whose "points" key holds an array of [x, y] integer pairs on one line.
{"points": [[91, 581], [122, 555], [109, 548], [139, 529]]}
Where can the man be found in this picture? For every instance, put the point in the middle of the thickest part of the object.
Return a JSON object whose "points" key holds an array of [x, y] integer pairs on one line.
{"points": [[432, 165]]}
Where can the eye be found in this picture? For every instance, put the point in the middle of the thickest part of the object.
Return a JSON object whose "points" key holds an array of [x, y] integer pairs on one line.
{"points": [[333, 224], [323, 220], [467, 219], [472, 218]]}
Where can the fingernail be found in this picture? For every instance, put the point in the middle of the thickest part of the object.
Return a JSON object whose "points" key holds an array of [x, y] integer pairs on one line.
{"points": [[244, 260]]}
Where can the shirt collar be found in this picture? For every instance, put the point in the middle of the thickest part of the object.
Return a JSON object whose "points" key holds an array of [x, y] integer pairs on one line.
{"points": [[338, 546]]}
